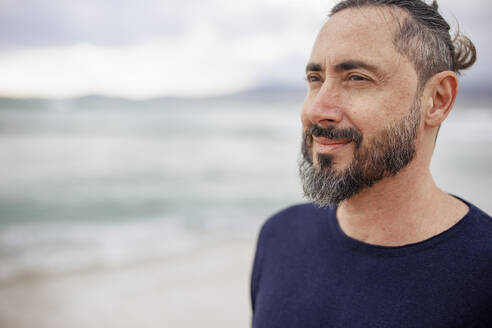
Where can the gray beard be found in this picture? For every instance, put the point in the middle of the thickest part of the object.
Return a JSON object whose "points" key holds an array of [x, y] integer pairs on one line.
{"points": [[385, 155]]}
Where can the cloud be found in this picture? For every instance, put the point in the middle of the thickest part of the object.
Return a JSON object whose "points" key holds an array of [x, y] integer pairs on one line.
{"points": [[62, 48], [199, 64], [111, 23], [210, 49]]}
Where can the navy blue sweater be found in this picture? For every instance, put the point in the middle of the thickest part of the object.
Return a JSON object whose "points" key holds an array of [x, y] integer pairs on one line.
{"points": [[308, 273]]}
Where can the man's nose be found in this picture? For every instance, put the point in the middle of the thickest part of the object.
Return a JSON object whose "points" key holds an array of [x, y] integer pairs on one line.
{"points": [[324, 107]]}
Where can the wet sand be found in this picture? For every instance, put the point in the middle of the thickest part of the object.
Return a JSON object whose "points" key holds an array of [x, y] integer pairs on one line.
{"points": [[208, 287]]}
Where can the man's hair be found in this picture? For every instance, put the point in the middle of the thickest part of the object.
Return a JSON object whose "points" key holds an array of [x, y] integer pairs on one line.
{"points": [[423, 37]]}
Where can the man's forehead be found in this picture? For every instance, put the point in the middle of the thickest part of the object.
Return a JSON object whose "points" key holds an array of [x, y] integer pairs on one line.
{"points": [[380, 19], [358, 34]]}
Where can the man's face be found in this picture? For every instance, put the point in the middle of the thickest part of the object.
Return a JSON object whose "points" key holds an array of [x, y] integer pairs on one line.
{"points": [[362, 111]]}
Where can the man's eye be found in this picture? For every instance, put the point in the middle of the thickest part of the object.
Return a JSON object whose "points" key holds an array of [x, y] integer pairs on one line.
{"points": [[356, 77], [313, 78]]}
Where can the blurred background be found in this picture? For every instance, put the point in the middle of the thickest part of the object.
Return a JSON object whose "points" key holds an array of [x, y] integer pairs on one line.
{"points": [[142, 145]]}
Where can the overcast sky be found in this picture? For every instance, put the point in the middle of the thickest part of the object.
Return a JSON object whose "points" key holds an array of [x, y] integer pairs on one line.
{"points": [[140, 49]]}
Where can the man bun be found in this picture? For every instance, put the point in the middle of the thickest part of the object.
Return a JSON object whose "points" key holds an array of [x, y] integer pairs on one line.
{"points": [[465, 53]]}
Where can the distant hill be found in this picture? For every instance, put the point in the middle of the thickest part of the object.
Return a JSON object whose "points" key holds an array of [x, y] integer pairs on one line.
{"points": [[469, 95]]}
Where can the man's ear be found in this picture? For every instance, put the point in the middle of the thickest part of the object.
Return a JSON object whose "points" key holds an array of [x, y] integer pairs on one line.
{"points": [[440, 93]]}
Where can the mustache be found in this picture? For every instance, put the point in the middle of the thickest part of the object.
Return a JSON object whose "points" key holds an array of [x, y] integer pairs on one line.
{"points": [[332, 132]]}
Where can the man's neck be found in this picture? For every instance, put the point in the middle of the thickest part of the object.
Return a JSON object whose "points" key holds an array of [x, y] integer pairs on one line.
{"points": [[400, 210]]}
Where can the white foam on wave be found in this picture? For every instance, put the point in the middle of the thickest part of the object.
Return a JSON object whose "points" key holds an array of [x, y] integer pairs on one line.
{"points": [[53, 248]]}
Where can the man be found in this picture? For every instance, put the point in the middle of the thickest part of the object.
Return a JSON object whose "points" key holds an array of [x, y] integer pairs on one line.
{"points": [[382, 245]]}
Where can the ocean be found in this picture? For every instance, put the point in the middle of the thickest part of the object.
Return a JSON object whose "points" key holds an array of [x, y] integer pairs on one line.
{"points": [[98, 183]]}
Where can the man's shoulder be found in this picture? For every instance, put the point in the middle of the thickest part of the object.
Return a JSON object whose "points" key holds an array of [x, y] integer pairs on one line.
{"points": [[297, 219], [478, 220], [479, 214], [294, 213], [479, 230]]}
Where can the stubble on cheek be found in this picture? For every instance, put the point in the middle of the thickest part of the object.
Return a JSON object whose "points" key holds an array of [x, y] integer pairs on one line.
{"points": [[307, 147]]}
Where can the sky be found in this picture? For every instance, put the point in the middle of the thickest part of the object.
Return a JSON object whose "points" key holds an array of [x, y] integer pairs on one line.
{"points": [[145, 49]]}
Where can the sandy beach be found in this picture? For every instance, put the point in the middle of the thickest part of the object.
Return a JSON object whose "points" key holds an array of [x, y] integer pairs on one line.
{"points": [[208, 287]]}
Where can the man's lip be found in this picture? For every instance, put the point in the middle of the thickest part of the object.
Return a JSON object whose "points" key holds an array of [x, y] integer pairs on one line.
{"points": [[326, 145], [327, 141]]}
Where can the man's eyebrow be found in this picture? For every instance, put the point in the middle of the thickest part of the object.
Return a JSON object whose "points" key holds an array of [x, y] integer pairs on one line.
{"points": [[313, 67], [354, 64], [345, 66]]}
